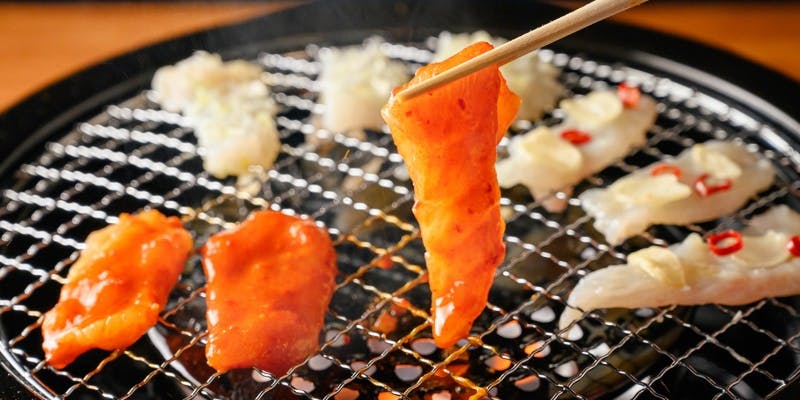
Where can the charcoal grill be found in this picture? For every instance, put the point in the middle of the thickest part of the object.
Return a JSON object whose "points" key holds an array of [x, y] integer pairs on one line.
{"points": [[95, 145]]}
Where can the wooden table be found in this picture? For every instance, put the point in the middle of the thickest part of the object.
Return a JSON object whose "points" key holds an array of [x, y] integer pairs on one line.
{"points": [[41, 43]]}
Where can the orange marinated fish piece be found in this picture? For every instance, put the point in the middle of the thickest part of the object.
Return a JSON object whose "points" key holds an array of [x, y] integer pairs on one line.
{"points": [[269, 284], [117, 287], [448, 138]]}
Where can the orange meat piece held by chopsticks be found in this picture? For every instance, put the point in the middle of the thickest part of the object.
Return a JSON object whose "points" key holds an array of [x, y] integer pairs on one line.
{"points": [[448, 138], [269, 284], [117, 287]]}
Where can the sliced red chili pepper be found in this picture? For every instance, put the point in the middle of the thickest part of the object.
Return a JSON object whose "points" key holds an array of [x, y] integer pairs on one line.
{"points": [[794, 245], [704, 186], [666, 169], [735, 243], [629, 95], [576, 137]]}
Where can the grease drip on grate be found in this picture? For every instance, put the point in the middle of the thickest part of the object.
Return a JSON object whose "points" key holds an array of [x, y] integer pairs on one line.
{"points": [[377, 341]]}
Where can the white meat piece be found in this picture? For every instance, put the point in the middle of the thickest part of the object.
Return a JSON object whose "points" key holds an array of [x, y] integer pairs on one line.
{"points": [[228, 106], [762, 268], [614, 132], [535, 81], [619, 215], [236, 130], [355, 82], [177, 85]]}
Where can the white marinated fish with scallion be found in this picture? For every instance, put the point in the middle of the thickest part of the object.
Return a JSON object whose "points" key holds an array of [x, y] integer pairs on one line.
{"points": [[598, 129], [703, 183], [728, 267]]}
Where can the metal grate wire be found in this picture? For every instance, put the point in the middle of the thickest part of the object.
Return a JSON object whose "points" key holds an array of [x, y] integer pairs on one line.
{"points": [[135, 155]]}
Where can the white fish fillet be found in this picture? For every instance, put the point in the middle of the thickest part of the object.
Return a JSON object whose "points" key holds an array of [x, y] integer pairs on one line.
{"points": [[618, 219], [229, 108], [762, 268], [536, 82], [611, 140], [355, 82]]}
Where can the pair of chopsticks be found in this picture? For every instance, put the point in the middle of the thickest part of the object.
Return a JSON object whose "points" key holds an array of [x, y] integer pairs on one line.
{"points": [[574, 21]]}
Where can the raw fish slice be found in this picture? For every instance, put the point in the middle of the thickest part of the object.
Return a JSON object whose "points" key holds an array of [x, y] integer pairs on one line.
{"points": [[269, 284], [543, 161], [355, 82], [535, 81], [117, 287], [633, 203], [693, 274], [448, 139]]}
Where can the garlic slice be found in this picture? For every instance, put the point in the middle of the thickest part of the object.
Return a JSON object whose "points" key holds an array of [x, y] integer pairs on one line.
{"points": [[715, 163], [594, 109], [661, 264], [542, 146], [641, 189], [763, 251]]}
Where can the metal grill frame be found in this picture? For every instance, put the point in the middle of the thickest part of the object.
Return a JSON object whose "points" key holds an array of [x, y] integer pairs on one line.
{"points": [[102, 127]]}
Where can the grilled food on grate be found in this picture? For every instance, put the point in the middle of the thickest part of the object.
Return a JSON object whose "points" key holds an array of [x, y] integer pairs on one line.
{"points": [[230, 109], [728, 268], [134, 154], [115, 290], [448, 138], [354, 84], [596, 131], [260, 313], [705, 182]]}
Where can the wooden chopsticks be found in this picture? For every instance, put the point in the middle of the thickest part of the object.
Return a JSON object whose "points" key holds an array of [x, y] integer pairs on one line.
{"points": [[548, 33]]}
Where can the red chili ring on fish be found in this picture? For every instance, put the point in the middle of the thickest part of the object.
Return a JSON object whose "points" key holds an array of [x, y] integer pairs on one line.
{"points": [[703, 188], [576, 136], [667, 169], [715, 239], [794, 245], [629, 95]]}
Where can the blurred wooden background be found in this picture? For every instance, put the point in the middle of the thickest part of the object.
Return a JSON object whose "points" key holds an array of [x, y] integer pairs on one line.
{"points": [[42, 42]]}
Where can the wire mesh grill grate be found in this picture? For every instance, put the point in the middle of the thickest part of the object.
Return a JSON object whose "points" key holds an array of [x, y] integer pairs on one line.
{"points": [[135, 155]]}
